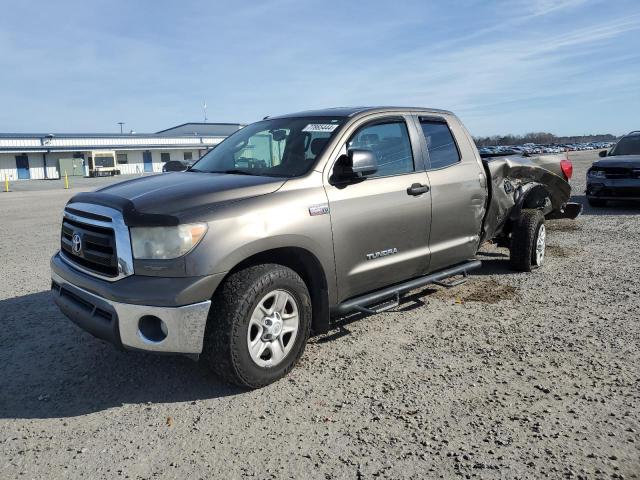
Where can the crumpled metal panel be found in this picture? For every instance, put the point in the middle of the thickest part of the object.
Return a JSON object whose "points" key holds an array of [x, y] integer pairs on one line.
{"points": [[511, 179]]}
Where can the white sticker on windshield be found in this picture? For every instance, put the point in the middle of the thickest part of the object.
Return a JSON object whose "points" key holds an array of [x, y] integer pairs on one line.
{"points": [[320, 127]]}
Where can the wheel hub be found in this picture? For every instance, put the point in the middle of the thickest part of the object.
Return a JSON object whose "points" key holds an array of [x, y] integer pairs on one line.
{"points": [[541, 245], [272, 327]]}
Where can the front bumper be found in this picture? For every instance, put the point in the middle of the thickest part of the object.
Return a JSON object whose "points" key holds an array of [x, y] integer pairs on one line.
{"points": [[614, 189], [125, 324]]}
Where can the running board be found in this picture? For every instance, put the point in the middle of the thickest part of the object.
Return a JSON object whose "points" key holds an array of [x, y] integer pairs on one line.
{"points": [[453, 283], [384, 299]]}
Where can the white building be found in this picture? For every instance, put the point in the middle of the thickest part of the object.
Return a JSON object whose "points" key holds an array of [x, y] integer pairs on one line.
{"points": [[37, 156]]}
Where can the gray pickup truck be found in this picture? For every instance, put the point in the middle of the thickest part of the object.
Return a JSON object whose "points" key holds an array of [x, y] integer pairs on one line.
{"points": [[289, 222]]}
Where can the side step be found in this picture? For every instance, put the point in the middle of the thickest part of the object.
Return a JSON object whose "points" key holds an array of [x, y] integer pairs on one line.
{"points": [[453, 283], [389, 297]]}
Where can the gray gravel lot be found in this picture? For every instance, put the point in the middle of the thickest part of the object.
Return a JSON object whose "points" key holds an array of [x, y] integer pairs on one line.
{"points": [[508, 376]]}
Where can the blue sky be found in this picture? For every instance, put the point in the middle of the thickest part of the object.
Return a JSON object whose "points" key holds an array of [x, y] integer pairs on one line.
{"points": [[509, 66]]}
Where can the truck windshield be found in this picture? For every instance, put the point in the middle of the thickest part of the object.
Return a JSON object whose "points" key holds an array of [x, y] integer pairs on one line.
{"points": [[281, 147], [627, 146]]}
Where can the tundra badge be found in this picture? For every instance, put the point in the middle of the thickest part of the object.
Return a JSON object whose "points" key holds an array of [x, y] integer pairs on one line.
{"points": [[381, 253]]}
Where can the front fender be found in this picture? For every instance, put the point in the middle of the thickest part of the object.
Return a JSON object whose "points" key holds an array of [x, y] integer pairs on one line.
{"points": [[279, 220]]}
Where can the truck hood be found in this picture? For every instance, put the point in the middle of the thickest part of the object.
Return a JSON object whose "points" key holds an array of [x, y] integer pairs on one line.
{"points": [[619, 161], [166, 198]]}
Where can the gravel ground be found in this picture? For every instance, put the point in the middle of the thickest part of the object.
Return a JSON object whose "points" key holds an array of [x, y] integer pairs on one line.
{"points": [[508, 376]]}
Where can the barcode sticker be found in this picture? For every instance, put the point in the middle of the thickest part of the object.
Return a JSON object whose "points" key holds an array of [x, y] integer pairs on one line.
{"points": [[320, 127]]}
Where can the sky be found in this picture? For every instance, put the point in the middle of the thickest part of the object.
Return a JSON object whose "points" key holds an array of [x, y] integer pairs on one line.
{"points": [[569, 67]]}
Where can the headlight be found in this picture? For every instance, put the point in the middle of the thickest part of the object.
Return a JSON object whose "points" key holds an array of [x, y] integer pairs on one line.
{"points": [[166, 242], [597, 174]]}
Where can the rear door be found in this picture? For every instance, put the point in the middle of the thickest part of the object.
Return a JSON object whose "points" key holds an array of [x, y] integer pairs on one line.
{"points": [[458, 190], [381, 229]]}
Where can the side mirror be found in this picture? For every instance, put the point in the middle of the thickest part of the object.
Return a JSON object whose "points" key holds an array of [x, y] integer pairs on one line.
{"points": [[603, 153], [355, 165]]}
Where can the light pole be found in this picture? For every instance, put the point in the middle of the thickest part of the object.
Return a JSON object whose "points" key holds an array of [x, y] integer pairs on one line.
{"points": [[121, 124]]}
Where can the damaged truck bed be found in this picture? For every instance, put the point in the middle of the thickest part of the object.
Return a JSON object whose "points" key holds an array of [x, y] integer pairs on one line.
{"points": [[519, 182]]}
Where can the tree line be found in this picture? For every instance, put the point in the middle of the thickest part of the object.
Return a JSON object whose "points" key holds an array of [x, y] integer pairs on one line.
{"points": [[541, 138]]}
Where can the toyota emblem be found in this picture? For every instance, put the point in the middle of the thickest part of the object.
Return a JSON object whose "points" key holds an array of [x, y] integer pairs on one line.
{"points": [[76, 243]]}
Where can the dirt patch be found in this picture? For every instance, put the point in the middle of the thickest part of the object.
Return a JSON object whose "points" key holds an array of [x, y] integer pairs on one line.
{"points": [[484, 291], [564, 225]]}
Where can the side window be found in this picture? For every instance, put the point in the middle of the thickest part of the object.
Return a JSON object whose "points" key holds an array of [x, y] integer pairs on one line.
{"points": [[391, 145], [440, 143]]}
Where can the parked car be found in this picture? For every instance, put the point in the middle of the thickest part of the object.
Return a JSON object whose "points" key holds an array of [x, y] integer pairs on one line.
{"points": [[291, 221], [617, 175], [176, 166]]}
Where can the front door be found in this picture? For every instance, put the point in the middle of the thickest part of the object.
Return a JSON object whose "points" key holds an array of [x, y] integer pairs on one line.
{"points": [[148, 162], [22, 164], [380, 225]]}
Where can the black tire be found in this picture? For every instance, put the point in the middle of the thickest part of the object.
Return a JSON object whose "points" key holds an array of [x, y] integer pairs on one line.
{"points": [[225, 348], [523, 240], [596, 202]]}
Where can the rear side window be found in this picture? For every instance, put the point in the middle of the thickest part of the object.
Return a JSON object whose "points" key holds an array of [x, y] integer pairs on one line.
{"points": [[440, 143], [391, 145]]}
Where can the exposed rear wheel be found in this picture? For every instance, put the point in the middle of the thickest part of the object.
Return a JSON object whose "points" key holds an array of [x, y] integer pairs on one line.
{"points": [[258, 325], [528, 241]]}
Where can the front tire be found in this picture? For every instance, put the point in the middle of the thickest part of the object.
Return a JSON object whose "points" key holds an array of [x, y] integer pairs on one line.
{"points": [[258, 325], [528, 241]]}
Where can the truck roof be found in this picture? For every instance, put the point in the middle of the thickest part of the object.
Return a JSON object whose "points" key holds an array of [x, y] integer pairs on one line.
{"points": [[353, 111]]}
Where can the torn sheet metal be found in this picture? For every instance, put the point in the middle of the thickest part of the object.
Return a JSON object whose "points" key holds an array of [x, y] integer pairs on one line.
{"points": [[513, 179]]}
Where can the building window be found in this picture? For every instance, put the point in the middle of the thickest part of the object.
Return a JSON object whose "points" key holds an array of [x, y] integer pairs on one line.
{"points": [[188, 156], [122, 158], [165, 157]]}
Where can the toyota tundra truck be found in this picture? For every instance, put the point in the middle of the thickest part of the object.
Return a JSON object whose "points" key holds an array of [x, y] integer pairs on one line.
{"points": [[290, 222]]}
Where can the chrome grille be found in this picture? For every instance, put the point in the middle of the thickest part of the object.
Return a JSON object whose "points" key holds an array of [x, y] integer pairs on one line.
{"points": [[103, 239], [97, 246]]}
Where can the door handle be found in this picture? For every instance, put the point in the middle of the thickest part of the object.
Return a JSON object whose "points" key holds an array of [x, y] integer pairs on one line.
{"points": [[417, 189]]}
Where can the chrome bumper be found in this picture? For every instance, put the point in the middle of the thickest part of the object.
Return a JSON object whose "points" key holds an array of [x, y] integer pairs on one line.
{"points": [[183, 328]]}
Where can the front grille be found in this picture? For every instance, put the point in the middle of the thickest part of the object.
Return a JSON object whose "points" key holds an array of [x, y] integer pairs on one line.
{"points": [[98, 247], [621, 172]]}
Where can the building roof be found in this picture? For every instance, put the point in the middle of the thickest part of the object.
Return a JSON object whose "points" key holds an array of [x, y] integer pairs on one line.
{"points": [[201, 128], [87, 142]]}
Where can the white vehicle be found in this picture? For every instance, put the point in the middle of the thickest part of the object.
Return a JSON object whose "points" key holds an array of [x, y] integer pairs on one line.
{"points": [[102, 163]]}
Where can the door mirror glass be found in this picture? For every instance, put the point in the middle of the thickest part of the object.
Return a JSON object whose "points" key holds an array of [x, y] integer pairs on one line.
{"points": [[603, 153], [355, 165]]}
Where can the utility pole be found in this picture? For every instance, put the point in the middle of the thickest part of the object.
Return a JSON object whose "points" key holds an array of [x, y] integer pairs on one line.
{"points": [[121, 124], [204, 107]]}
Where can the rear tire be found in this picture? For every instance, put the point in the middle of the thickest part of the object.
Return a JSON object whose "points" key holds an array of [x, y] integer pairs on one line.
{"points": [[238, 346], [528, 241], [596, 202]]}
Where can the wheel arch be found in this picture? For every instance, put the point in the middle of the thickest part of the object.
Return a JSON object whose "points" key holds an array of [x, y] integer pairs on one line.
{"points": [[532, 195], [310, 269]]}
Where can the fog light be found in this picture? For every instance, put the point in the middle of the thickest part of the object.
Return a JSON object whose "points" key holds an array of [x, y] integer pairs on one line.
{"points": [[152, 329]]}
